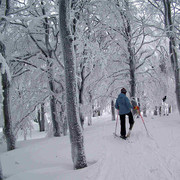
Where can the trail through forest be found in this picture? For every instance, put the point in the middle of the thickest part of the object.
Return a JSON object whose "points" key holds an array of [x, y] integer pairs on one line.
{"points": [[140, 157]]}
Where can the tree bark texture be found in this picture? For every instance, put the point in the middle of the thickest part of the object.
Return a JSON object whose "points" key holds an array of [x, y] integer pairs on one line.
{"points": [[81, 92], [75, 130], [90, 110], [39, 119], [8, 129], [113, 110], [63, 117], [56, 126], [42, 118]]}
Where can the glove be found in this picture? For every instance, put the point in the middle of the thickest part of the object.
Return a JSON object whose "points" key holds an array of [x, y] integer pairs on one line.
{"points": [[136, 107]]}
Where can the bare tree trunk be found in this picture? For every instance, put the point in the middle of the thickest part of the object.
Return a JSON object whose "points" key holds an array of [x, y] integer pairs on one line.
{"points": [[1, 173], [81, 91], [113, 110], [55, 122], [65, 126], [172, 48], [39, 119], [42, 118], [81, 104], [8, 129], [90, 110], [76, 136], [176, 69], [56, 127], [131, 60], [131, 54], [63, 116]]}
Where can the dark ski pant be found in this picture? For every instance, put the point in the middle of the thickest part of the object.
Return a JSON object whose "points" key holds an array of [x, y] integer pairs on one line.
{"points": [[123, 122]]}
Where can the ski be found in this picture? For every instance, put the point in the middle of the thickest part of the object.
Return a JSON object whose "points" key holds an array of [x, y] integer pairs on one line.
{"points": [[127, 138], [115, 135], [128, 134]]}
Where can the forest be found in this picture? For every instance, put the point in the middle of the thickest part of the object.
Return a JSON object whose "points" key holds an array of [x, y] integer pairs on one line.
{"points": [[63, 62]]}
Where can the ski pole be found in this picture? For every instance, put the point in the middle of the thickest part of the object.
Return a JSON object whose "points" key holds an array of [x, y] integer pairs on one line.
{"points": [[143, 122]]}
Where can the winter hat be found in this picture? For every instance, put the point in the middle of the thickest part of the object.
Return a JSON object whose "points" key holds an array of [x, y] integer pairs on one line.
{"points": [[123, 90]]}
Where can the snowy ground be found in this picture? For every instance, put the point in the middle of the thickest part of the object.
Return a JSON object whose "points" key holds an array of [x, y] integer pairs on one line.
{"points": [[139, 158]]}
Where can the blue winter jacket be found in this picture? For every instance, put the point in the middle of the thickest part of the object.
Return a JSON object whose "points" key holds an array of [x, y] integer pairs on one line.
{"points": [[123, 104]]}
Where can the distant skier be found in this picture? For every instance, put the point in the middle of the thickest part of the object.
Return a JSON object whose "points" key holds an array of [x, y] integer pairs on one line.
{"points": [[124, 106]]}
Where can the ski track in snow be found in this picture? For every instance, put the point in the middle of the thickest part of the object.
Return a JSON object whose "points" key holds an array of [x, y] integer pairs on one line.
{"points": [[138, 158]]}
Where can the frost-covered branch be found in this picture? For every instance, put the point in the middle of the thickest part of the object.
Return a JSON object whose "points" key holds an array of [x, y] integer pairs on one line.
{"points": [[18, 124]]}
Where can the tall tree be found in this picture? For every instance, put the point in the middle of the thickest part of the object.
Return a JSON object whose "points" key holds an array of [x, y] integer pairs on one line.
{"points": [[76, 136], [169, 11], [1, 173], [169, 26], [8, 129], [49, 53], [42, 36], [125, 15]]}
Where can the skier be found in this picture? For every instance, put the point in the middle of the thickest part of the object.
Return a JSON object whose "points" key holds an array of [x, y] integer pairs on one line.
{"points": [[124, 107]]}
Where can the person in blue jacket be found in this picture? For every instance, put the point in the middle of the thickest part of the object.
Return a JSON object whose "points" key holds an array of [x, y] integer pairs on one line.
{"points": [[124, 107]]}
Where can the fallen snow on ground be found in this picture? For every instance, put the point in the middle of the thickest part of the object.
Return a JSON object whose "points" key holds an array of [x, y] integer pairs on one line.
{"points": [[141, 157]]}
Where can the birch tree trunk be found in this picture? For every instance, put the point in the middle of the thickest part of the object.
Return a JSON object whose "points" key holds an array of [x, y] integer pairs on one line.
{"points": [[75, 130], [8, 131], [172, 48]]}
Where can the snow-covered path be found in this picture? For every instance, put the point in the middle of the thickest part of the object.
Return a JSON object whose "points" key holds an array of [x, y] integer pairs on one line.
{"points": [[139, 158], [142, 157]]}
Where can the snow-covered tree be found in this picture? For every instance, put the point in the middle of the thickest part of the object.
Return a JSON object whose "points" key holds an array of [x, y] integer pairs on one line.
{"points": [[170, 29], [168, 10], [76, 136], [35, 51], [5, 80], [1, 173]]}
